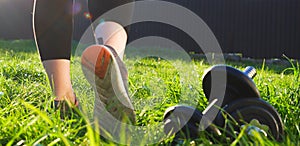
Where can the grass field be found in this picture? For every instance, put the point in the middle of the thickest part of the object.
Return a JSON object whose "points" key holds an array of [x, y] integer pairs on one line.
{"points": [[27, 119]]}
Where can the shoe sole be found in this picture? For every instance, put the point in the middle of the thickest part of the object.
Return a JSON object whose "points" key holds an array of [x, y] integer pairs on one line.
{"points": [[107, 74]]}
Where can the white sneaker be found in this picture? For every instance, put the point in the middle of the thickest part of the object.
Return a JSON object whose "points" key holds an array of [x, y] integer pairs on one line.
{"points": [[108, 75]]}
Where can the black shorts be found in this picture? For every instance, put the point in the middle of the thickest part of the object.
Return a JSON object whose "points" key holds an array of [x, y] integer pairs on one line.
{"points": [[53, 24]]}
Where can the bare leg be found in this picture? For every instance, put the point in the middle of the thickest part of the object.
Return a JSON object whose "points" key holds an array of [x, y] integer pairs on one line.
{"points": [[58, 71], [52, 25], [114, 35]]}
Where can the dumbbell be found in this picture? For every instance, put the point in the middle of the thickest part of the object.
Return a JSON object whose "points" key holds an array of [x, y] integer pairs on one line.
{"points": [[184, 121], [242, 100], [234, 82]]}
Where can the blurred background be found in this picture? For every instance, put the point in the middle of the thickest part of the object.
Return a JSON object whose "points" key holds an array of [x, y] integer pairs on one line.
{"points": [[254, 28]]}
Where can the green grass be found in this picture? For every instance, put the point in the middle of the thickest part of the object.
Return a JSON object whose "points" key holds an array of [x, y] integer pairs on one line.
{"points": [[27, 119]]}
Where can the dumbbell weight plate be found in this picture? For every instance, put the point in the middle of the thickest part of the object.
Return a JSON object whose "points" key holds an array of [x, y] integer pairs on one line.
{"points": [[183, 121], [248, 109], [237, 84]]}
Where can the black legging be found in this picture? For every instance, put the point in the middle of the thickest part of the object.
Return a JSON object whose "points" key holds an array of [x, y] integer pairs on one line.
{"points": [[53, 24]]}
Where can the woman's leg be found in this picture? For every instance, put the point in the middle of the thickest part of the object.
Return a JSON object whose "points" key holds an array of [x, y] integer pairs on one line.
{"points": [[112, 33], [52, 24]]}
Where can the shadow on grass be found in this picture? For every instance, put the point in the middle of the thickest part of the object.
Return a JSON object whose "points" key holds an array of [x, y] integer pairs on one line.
{"points": [[26, 46]]}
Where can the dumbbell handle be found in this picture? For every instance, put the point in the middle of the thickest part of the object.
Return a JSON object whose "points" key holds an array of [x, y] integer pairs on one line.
{"points": [[250, 72]]}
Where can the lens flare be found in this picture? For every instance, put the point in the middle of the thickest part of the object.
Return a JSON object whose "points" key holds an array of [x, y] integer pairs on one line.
{"points": [[88, 15]]}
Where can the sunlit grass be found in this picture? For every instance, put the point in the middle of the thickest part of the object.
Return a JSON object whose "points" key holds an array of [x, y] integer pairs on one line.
{"points": [[154, 85]]}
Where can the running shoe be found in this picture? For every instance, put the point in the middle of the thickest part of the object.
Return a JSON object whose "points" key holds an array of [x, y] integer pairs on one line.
{"points": [[107, 74]]}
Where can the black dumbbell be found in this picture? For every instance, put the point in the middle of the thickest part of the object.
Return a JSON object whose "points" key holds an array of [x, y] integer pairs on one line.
{"points": [[184, 121], [241, 99], [233, 83], [246, 110]]}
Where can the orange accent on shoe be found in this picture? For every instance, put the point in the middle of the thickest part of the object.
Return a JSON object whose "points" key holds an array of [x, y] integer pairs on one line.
{"points": [[97, 59], [102, 63]]}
